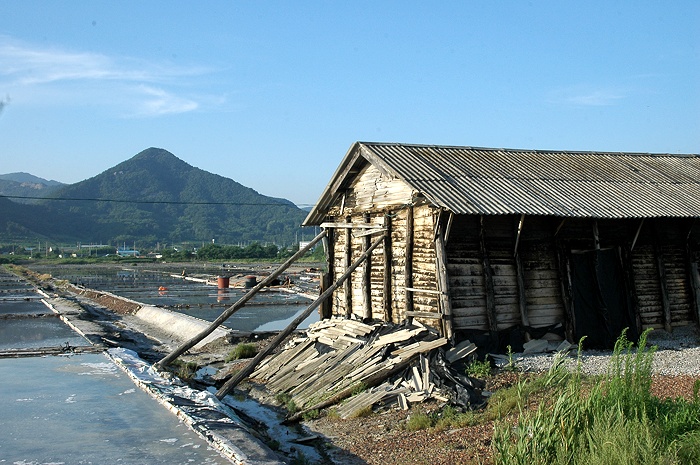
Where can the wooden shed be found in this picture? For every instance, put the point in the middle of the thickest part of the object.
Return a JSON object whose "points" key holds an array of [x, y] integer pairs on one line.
{"points": [[550, 244]]}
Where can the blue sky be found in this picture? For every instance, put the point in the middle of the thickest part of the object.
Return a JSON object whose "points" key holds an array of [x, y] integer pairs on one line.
{"points": [[272, 94]]}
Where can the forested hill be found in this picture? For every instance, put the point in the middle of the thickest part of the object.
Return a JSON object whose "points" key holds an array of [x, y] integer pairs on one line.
{"points": [[156, 197]]}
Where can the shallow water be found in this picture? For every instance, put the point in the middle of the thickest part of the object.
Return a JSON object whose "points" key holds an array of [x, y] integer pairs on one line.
{"points": [[83, 409], [269, 310], [32, 333]]}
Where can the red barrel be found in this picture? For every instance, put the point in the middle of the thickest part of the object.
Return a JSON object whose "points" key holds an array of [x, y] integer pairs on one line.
{"points": [[223, 282], [250, 281]]}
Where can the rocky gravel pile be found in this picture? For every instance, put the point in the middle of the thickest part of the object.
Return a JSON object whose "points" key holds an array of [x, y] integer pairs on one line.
{"points": [[677, 354]]}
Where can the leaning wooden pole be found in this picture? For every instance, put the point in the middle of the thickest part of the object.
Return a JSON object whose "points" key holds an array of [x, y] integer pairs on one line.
{"points": [[238, 305], [241, 375]]}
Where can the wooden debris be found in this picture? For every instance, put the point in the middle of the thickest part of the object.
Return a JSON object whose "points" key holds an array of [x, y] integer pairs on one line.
{"points": [[461, 350], [340, 356]]}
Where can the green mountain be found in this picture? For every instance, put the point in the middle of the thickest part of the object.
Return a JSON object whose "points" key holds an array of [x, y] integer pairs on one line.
{"points": [[24, 187], [156, 197]]}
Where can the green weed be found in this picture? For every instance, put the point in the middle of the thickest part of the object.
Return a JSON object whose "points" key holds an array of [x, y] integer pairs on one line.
{"points": [[242, 351], [617, 422], [478, 369]]}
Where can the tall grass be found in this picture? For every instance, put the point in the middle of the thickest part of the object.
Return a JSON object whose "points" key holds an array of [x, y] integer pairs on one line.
{"points": [[615, 420]]}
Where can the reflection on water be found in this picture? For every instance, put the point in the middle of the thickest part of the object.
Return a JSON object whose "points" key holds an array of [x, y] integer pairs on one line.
{"points": [[269, 310]]}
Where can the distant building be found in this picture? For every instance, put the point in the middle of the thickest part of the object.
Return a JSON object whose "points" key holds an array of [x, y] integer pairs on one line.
{"points": [[127, 253]]}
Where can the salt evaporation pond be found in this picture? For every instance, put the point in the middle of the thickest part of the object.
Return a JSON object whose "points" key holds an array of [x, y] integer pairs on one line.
{"points": [[83, 409], [267, 311]]}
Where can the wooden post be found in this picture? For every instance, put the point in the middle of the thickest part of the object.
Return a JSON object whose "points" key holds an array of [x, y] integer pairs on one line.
{"points": [[326, 309], [488, 282], [347, 287], [443, 282], [626, 262], [388, 257], [367, 278], [520, 276], [567, 296], [238, 305], [661, 268], [596, 236], [248, 369], [518, 233], [695, 286], [636, 235], [522, 300], [408, 264]]}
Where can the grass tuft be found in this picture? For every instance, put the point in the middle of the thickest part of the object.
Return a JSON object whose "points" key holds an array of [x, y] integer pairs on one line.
{"points": [[242, 351]]}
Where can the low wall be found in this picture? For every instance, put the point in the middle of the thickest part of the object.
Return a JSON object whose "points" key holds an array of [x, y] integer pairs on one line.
{"points": [[178, 325]]}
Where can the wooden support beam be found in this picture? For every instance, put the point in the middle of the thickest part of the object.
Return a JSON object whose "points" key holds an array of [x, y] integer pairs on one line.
{"points": [[663, 280], [423, 291], [695, 286], [239, 304], [517, 236], [350, 225], [561, 225], [522, 300], [326, 310], [370, 232], [408, 259], [567, 294], [388, 258], [367, 278], [448, 228], [248, 369], [347, 260], [596, 236], [443, 282], [488, 281], [430, 315], [625, 257], [636, 235]]}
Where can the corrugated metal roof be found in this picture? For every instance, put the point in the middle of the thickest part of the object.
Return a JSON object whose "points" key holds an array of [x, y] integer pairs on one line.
{"points": [[472, 180]]}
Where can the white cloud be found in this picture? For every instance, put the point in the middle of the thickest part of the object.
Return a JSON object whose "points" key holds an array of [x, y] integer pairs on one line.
{"points": [[161, 102], [586, 96], [65, 75]]}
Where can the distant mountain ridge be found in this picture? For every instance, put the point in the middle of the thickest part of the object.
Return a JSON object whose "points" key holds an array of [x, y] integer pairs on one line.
{"points": [[27, 178], [20, 185], [156, 197]]}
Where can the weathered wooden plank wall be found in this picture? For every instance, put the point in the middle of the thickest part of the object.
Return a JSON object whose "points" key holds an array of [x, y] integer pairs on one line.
{"points": [[538, 254]]}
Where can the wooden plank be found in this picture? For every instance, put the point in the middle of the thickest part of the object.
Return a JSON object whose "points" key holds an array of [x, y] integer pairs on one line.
{"points": [[443, 282], [386, 284], [661, 268], [350, 225], [347, 286], [488, 281], [425, 291], [408, 263], [522, 297], [431, 315], [366, 277]]}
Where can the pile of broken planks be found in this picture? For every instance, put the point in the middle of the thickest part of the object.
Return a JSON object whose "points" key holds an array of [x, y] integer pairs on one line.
{"points": [[340, 357]]}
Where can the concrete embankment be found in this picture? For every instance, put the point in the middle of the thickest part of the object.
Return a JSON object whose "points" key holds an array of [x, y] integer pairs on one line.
{"points": [[178, 325]]}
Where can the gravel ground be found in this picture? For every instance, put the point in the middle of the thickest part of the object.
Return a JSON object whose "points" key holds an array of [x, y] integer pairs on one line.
{"points": [[677, 353]]}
